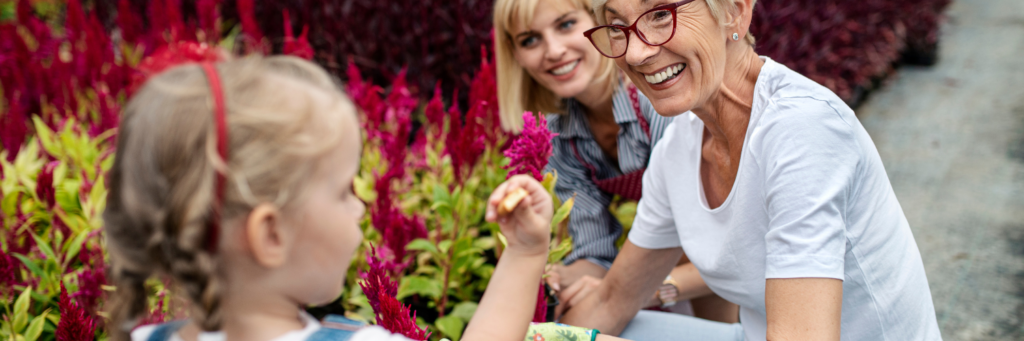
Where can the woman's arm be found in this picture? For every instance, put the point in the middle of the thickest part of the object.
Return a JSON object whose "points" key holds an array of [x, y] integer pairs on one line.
{"points": [[803, 308], [636, 273]]}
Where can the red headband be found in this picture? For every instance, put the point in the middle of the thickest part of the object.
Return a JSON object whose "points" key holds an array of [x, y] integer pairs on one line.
{"points": [[213, 233]]}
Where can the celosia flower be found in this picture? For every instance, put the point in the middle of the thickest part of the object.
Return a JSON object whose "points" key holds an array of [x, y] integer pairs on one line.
{"points": [[465, 142], [380, 291], [540, 312], [435, 114], [8, 271], [484, 89], [44, 184], [376, 281], [530, 150], [74, 22], [75, 323], [367, 97], [298, 47], [90, 282], [208, 15], [13, 128], [247, 13], [157, 314]]}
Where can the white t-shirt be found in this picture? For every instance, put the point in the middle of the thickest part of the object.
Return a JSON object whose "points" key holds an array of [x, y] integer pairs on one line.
{"points": [[811, 199], [369, 333]]}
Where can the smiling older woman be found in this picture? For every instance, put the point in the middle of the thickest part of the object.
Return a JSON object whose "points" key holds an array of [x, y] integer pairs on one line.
{"points": [[769, 183]]}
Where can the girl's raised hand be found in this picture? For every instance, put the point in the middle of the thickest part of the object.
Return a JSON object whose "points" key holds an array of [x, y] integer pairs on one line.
{"points": [[528, 226]]}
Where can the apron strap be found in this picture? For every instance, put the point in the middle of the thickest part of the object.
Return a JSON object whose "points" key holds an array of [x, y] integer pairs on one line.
{"points": [[635, 99]]}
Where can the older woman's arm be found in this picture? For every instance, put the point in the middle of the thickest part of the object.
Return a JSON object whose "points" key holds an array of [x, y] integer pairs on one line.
{"points": [[803, 308], [636, 273]]}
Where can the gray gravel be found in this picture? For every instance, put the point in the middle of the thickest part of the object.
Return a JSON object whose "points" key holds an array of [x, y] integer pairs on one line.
{"points": [[952, 139]]}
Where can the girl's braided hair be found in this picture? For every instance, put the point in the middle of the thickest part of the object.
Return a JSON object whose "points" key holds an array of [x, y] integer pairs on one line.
{"points": [[162, 183]]}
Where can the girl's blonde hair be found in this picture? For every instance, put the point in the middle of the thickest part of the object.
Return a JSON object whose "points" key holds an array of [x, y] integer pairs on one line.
{"points": [[162, 182], [718, 9], [517, 91]]}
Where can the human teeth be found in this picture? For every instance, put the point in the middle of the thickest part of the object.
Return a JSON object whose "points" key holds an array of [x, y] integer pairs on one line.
{"points": [[664, 75], [565, 69]]}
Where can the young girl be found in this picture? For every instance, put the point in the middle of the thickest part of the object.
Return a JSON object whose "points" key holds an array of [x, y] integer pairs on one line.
{"points": [[234, 180], [605, 128]]}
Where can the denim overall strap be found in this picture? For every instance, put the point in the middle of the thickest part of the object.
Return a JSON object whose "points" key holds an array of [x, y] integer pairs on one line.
{"points": [[336, 328], [164, 331]]}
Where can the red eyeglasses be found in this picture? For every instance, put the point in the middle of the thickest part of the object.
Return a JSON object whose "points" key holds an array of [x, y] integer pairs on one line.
{"points": [[655, 28]]}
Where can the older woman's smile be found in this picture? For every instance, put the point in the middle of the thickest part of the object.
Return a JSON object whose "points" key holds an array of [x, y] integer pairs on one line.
{"points": [[664, 74]]}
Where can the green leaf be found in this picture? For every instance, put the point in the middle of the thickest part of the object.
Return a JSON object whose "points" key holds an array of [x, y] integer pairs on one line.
{"points": [[560, 251], [32, 266], [21, 309], [465, 310], [67, 196], [485, 243], [36, 327], [44, 246], [46, 137], [364, 189], [75, 245], [501, 237], [421, 245], [444, 245], [418, 285], [563, 212], [450, 326]]}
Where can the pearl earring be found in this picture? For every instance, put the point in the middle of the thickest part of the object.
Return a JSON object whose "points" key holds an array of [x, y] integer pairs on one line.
{"points": [[735, 36]]}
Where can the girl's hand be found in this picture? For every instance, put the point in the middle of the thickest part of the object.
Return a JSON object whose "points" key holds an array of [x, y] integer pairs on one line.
{"points": [[528, 227]]}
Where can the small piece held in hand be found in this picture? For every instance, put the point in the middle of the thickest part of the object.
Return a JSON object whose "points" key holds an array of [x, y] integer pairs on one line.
{"points": [[511, 200]]}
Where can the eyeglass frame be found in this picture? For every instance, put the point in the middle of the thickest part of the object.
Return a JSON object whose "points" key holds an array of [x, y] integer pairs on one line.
{"points": [[672, 7]]}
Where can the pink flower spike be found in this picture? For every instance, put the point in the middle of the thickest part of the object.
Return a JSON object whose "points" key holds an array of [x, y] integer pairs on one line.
{"points": [[44, 184], [540, 312], [530, 150], [247, 12], [208, 15], [298, 47], [75, 323]]}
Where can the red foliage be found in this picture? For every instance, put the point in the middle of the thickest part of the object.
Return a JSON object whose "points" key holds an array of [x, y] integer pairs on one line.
{"points": [[75, 323], [530, 150]]}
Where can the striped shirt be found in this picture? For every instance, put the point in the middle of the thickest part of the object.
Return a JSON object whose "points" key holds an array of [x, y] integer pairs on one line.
{"points": [[593, 228]]}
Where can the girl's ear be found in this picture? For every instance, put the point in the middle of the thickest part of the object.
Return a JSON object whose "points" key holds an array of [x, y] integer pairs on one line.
{"points": [[265, 236]]}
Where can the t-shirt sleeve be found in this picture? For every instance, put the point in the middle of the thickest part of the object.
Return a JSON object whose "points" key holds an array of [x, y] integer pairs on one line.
{"points": [[376, 333], [810, 158], [654, 226]]}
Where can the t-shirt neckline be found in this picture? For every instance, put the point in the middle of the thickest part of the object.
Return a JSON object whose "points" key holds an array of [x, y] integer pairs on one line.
{"points": [[758, 87]]}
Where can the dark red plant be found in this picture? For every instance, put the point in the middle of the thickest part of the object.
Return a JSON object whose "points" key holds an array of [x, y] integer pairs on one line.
{"points": [[530, 150], [75, 322], [44, 184], [380, 291], [298, 47], [540, 311], [8, 272]]}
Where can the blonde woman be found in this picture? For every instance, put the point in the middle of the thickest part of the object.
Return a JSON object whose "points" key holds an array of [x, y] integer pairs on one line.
{"points": [[605, 128]]}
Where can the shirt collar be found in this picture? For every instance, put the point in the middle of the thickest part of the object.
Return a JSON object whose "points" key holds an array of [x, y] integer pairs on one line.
{"points": [[574, 124]]}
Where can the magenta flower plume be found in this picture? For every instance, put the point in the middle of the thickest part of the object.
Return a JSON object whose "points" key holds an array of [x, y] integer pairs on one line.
{"points": [[207, 12], [298, 47], [44, 184], [484, 89], [530, 150], [465, 142], [376, 282], [380, 291], [8, 272], [75, 323], [90, 282], [540, 312], [367, 97], [247, 13]]}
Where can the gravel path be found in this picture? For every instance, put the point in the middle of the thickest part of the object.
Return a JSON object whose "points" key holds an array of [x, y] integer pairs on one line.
{"points": [[952, 139]]}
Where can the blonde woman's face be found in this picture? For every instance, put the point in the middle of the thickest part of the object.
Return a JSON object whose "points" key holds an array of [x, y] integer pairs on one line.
{"points": [[553, 50]]}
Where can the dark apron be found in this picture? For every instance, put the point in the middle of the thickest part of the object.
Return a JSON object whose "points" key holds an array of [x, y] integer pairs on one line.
{"points": [[629, 186]]}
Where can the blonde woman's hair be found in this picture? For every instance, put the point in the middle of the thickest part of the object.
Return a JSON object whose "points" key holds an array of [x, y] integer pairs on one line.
{"points": [[517, 91], [718, 9], [162, 181]]}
